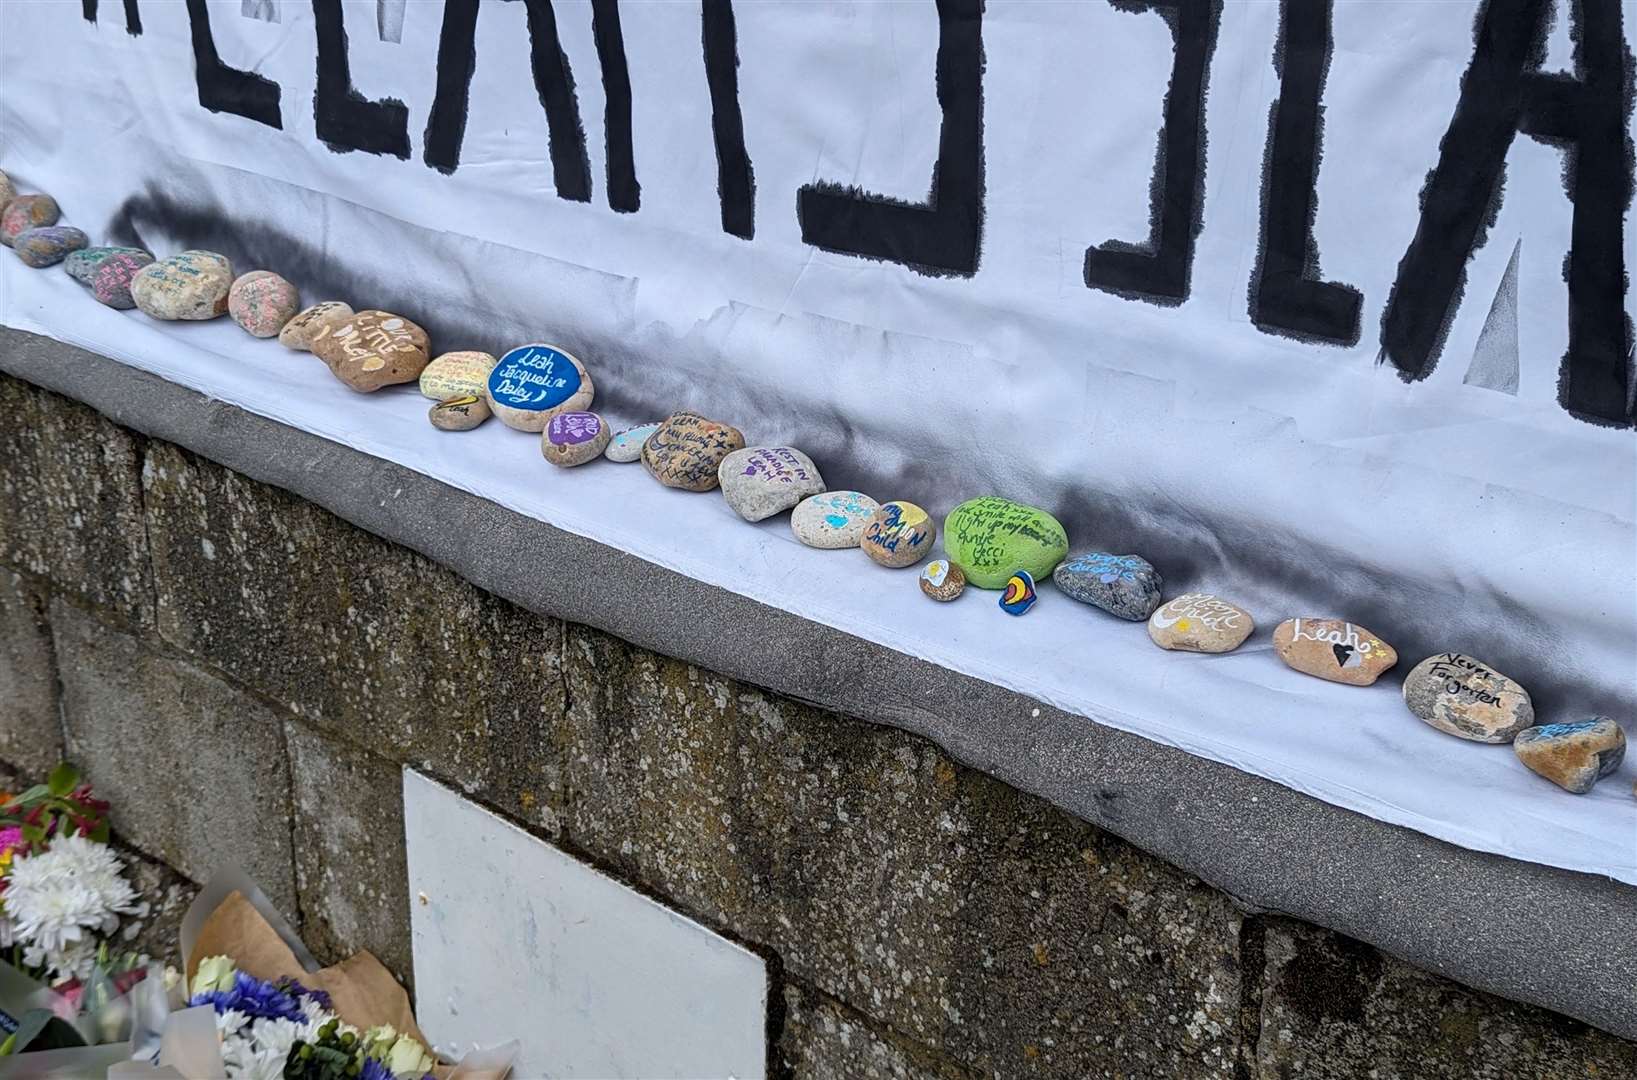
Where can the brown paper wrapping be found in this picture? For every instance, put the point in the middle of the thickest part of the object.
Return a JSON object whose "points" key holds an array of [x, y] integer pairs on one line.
{"points": [[362, 991]]}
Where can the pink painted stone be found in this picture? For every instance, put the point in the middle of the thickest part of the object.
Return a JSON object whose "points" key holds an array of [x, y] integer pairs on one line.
{"points": [[262, 302], [27, 212], [111, 281]]}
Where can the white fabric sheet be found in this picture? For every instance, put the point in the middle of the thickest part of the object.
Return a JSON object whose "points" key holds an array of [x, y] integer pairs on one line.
{"points": [[1357, 748]]}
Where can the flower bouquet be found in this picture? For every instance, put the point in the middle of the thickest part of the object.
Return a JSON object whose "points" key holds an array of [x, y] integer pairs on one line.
{"points": [[261, 1008], [64, 907]]}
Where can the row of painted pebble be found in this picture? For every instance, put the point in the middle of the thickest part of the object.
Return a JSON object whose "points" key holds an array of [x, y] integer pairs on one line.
{"points": [[990, 542], [28, 225]]}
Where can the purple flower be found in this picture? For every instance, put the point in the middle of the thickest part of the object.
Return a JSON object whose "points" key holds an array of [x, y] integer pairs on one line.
{"points": [[261, 1000]]}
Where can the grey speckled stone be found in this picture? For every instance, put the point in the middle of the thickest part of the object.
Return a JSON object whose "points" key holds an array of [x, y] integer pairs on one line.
{"points": [[1467, 698], [326, 618], [979, 922], [180, 753], [352, 879], [1335, 1009], [760, 481], [80, 265], [31, 730], [1123, 585], [71, 501]]}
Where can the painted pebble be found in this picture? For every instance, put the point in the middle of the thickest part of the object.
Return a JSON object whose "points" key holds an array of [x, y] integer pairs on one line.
{"points": [[82, 265], [48, 245], [835, 519], [990, 537], [761, 481], [626, 446], [942, 580], [533, 383], [687, 451], [1573, 756], [192, 286], [899, 534], [1333, 649], [111, 283], [373, 349], [262, 302], [1018, 596], [1467, 698], [574, 438], [459, 413], [8, 192], [27, 212], [1123, 585], [1200, 622], [458, 374], [299, 332]]}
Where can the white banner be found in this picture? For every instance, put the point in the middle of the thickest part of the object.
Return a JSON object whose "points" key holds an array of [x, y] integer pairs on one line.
{"points": [[1349, 336]]}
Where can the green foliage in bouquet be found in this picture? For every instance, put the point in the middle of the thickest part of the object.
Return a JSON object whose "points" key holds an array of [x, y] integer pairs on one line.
{"points": [[61, 806]]}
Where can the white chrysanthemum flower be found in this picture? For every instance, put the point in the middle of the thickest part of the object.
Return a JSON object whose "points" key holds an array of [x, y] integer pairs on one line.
{"points": [[57, 896], [259, 1050]]}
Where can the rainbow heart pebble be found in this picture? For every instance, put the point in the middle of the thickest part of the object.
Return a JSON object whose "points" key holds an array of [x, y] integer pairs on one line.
{"points": [[1018, 596]]}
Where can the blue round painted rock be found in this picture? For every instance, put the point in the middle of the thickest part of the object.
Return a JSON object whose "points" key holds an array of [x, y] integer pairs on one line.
{"points": [[533, 383], [1018, 596], [48, 245]]}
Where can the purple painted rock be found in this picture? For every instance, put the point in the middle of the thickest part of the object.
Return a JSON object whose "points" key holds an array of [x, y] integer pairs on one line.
{"points": [[262, 302], [574, 438], [48, 245], [192, 285], [111, 282], [81, 265], [27, 212]]}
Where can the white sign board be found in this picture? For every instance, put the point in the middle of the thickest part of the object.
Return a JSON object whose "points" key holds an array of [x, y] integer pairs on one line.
{"points": [[515, 940]]}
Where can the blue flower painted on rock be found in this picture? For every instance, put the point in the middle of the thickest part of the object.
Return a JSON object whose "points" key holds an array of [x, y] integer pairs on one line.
{"points": [[1110, 568]]}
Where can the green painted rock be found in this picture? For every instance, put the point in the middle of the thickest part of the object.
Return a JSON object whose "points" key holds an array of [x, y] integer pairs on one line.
{"points": [[991, 539]]}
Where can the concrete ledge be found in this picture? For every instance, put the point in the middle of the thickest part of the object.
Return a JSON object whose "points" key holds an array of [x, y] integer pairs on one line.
{"points": [[1550, 937]]}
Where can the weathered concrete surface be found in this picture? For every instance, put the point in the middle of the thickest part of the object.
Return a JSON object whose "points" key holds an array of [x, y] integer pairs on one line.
{"points": [[1336, 1009], [1532, 933], [351, 873], [31, 732], [70, 508], [824, 1040], [168, 895], [195, 768], [976, 920], [363, 639]]}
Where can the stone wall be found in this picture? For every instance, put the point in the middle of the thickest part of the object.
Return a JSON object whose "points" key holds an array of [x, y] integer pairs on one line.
{"points": [[244, 675]]}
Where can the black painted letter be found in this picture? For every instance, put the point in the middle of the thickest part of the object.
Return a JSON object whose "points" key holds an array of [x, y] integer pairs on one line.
{"points": [[1160, 269], [226, 89], [942, 234], [133, 17], [457, 59], [1286, 295], [624, 193], [1504, 92], [345, 119], [735, 180]]}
